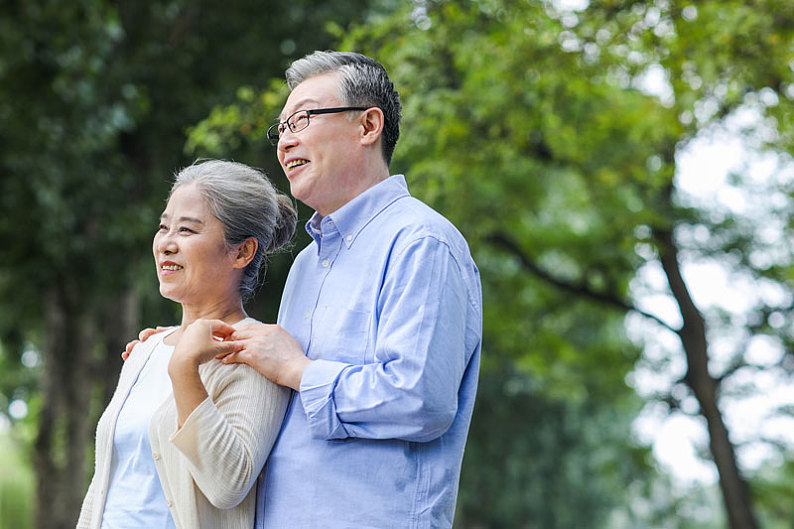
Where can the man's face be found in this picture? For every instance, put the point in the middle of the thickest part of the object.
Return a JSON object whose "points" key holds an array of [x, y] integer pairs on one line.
{"points": [[322, 162]]}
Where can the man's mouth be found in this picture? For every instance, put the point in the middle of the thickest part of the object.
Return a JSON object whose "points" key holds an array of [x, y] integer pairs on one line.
{"points": [[171, 268], [292, 164]]}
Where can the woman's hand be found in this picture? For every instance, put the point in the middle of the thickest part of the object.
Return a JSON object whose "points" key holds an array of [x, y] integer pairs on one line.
{"points": [[200, 342], [203, 340]]}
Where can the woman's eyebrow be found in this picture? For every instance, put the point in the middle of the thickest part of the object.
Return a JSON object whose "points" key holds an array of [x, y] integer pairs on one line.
{"points": [[183, 219]]}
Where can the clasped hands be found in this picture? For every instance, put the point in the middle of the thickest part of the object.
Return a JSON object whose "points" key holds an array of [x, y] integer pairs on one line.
{"points": [[269, 349]]}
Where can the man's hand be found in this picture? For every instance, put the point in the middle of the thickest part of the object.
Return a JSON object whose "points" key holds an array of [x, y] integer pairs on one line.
{"points": [[142, 336], [270, 350]]}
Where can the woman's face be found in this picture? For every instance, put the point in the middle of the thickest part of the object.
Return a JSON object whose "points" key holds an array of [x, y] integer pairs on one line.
{"points": [[194, 266]]}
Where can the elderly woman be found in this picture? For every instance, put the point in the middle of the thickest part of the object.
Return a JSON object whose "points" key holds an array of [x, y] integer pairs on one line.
{"points": [[185, 436]]}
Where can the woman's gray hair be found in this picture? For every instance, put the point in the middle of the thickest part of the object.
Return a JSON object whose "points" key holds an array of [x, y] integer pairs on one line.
{"points": [[364, 83], [248, 205]]}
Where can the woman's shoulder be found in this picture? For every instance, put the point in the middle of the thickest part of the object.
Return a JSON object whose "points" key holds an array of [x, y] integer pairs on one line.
{"points": [[248, 320], [142, 350]]}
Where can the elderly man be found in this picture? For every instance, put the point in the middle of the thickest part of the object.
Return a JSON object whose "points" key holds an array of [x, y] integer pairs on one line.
{"points": [[380, 325]]}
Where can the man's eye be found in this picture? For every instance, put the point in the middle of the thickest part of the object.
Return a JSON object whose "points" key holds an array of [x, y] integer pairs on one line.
{"points": [[163, 227], [186, 230]]}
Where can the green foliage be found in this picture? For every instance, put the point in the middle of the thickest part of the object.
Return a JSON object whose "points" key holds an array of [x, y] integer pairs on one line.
{"points": [[514, 138], [526, 125], [533, 130], [499, 137], [773, 490], [95, 101], [503, 138], [16, 487], [530, 460]]}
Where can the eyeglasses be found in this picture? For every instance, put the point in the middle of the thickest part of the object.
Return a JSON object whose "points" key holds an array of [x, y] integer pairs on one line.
{"points": [[300, 120]]}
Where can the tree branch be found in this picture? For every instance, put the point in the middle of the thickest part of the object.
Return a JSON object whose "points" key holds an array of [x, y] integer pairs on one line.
{"points": [[581, 289]]}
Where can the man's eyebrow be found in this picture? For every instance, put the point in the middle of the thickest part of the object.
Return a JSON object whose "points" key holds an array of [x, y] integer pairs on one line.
{"points": [[184, 219], [299, 105]]}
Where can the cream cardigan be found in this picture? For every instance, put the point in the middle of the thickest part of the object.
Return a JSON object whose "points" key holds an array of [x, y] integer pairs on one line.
{"points": [[208, 467]]}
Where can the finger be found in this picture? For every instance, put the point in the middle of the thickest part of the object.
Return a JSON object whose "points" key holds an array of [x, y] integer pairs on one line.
{"points": [[250, 330], [238, 336], [225, 348], [229, 347], [221, 328], [128, 349], [144, 334], [237, 357], [230, 358]]}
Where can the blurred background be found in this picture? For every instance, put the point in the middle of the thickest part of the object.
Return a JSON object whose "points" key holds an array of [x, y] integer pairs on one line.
{"points": [[622, 170]]}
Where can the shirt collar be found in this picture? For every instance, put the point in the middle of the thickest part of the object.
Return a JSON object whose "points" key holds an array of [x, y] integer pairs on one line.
{"points": [[353, 216]]}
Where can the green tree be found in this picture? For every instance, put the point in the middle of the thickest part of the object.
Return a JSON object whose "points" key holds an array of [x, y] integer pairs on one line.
{"points": [[95, 98], [532, 123], [534, 129], [549, 358]]}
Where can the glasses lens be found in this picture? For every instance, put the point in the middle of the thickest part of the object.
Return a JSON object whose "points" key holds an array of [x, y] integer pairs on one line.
{"points": [[299, 121], [273, 132]]}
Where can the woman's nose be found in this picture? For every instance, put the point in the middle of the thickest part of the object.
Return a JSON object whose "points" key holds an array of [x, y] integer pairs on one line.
{"points": [[166, 244]]}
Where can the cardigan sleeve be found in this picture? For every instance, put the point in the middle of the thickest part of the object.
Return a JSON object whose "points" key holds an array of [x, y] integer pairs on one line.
{"points": [[228, 437]]}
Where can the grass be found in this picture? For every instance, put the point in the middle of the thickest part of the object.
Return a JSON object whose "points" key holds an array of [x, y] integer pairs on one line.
{"points": [[16, 486]]}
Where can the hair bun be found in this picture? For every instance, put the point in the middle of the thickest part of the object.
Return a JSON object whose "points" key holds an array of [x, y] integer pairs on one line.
{"points": [[285, 224]]}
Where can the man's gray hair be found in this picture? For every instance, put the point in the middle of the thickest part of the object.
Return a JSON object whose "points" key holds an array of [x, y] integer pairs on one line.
{"points": [[248, 205], [364, 83]]}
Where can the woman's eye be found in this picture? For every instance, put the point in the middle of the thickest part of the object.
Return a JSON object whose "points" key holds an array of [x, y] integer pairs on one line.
{"points": [[163, 227], [186, 230]]}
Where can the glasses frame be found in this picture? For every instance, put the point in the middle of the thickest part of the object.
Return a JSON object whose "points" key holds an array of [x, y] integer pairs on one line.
{"points": [[275, 130]]}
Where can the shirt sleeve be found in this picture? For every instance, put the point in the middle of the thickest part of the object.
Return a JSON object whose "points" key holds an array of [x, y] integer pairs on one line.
{"points": [[410, 391], [228, 437]]}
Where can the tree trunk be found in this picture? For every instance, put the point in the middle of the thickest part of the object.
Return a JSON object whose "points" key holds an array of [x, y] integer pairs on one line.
{"points": [[79, 357], [64, 424], [735, 493], [120, 324]]}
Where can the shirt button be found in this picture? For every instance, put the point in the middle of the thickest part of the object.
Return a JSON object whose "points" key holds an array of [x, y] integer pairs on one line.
{"points": [[349, 238], [307, 315], [326, 263], [169, 503], [156, 456]]}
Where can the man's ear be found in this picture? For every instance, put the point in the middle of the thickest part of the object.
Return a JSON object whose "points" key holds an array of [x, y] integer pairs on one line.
{"points": [[372, 121], [246, 252]]}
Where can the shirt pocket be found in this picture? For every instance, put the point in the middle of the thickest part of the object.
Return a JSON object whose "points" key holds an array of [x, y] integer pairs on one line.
{"points": [[342, 335]]}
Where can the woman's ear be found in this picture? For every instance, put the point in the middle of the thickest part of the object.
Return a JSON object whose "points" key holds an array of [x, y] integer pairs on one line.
{"points": [[246, 252], [372, 121]]}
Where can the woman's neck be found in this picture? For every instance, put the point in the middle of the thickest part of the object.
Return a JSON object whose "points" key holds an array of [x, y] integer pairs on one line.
{"points": [[229, 312]]}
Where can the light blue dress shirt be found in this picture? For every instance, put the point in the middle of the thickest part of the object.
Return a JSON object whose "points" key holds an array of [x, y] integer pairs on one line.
{"points": [[387, 301]]}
